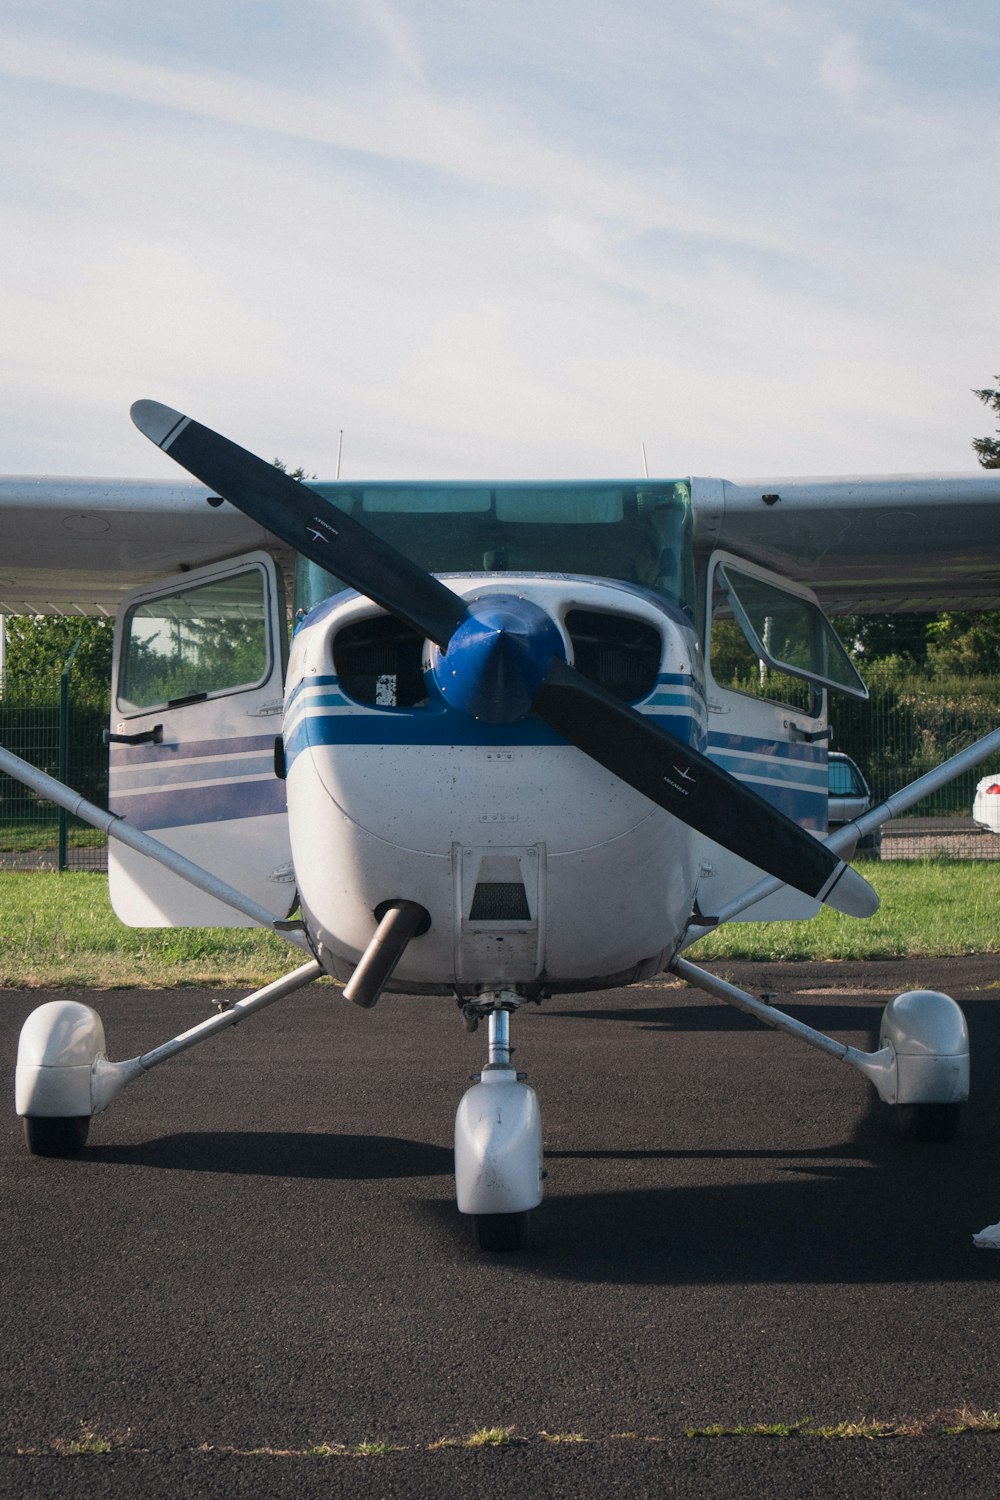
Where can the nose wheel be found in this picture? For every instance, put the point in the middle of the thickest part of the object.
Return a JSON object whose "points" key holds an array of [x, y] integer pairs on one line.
{"points": [[498, 1137], [501, 1232]]}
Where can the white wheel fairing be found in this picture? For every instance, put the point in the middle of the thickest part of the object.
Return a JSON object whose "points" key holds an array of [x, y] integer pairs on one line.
{"points": [[58, 1045]]}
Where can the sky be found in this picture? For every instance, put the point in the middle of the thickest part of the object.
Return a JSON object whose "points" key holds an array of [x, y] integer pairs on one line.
{"points": [[758, 237]]}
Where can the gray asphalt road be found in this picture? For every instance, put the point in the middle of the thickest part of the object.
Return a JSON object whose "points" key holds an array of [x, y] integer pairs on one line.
{"points": [[258, 1256]]}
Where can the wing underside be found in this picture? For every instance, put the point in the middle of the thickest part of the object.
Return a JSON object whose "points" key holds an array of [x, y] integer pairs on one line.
{"points": [[905, 543], [902, 543], [77, 546]]}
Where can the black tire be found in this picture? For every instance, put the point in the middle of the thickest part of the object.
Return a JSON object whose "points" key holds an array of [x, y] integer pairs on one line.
{"points": [[501, 1232], [928, 1122], [45, 1136]]}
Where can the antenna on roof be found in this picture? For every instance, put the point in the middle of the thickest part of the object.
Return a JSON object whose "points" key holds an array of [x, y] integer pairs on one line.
{"points": [[340, 449], [645, 465]]}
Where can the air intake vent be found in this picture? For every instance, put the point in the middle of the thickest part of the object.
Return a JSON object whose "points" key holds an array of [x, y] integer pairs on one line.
{"points": [[619, 653], [499, 901], [377, 661]]}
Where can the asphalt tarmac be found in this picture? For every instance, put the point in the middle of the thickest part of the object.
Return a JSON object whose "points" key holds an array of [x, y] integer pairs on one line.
{"points": [[256, 1266]]}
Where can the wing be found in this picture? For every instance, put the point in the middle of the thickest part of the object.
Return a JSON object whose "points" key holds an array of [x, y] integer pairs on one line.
{"points": [[76, 546], [865, 545], [914, 542]]}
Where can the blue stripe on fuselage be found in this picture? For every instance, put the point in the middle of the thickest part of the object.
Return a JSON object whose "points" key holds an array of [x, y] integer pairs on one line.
{"points": [[791, 776], [184, 805], [318, 713]]}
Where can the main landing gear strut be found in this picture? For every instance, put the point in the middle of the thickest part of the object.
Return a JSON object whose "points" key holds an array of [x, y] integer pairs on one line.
{"points": [[498, 1135]]}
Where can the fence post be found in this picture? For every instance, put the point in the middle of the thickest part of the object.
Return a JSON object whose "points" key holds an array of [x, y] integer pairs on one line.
{"points": [[64, 744]]}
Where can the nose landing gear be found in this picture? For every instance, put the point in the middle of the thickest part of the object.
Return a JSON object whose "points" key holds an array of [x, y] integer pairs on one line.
{"points": [[498, 1136]]}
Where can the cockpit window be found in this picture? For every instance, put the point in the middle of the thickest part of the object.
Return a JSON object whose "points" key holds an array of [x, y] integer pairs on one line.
{"points": [[208, 638], [638, 533], [789, 632]]}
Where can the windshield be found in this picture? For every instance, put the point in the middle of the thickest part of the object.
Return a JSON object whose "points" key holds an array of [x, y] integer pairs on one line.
{"points": [[639, 532]]}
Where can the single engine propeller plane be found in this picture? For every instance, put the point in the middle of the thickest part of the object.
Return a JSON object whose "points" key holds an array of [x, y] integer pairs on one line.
{"points": [[503, 757]]}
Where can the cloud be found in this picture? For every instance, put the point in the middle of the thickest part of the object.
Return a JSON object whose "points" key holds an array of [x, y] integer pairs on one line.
{"points": [[516, 248], [842, 69]]}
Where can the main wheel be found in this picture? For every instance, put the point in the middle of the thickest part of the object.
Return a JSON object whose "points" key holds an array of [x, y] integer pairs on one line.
{"points": [[928, 1122], [56, 1136], [502, 1232]]}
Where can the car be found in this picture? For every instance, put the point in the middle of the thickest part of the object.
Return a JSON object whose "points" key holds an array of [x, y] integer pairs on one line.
{"points": [[849, 797], [986, 804]]}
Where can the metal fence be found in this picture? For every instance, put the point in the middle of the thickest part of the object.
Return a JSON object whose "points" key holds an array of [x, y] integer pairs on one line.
{"points": [[903, 731], [894, 737], [35, 834]]}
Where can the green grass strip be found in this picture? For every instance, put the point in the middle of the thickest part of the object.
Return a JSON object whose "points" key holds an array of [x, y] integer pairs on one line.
{"points": [[58, 931], [935, 908]]}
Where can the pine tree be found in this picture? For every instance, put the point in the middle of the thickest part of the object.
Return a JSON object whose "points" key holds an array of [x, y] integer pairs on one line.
{"points": [[989, 448]]}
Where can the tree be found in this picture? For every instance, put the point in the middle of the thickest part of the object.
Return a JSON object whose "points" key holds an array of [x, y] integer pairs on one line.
{"points": [[963, 644], [37, 650], [988, 449], [872, 638]]}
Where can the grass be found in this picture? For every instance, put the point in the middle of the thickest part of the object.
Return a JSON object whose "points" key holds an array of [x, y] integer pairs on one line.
{"points": [[483, 1437], [59, 931], [930, 909], [369, 1448], [29, 834], [963, 1421], [90, 1443]]}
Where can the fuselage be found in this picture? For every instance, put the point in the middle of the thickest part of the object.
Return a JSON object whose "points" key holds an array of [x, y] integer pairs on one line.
{"points": [[540, 869]]}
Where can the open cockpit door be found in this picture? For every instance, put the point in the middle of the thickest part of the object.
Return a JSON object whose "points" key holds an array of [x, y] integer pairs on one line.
{"points": [[771, 658], [196, 700]]}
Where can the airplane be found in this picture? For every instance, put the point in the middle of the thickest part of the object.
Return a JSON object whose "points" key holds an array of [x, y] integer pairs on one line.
{"points": [[504, 755]]}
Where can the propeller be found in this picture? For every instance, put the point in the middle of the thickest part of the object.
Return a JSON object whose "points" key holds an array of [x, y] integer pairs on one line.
{"points": [[500, 658]]}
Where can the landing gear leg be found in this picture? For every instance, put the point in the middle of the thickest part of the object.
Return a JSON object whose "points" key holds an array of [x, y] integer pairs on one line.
{"points": [[498, 1137]]}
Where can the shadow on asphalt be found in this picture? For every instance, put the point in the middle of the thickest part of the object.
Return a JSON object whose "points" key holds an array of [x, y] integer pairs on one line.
{"points": [[818, 1225], [718, 1016], [837, 1226], [270, 1153], [869, 1209]]}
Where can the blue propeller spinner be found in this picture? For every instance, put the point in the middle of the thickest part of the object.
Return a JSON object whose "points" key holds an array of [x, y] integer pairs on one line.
{"points": [[497, 659]]}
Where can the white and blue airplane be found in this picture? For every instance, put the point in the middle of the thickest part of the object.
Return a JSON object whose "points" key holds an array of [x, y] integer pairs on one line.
{"points": [[504, 755]]}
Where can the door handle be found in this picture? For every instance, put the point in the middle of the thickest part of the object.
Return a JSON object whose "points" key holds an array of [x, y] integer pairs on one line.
{"points": [[806, 736], [152, 736]]}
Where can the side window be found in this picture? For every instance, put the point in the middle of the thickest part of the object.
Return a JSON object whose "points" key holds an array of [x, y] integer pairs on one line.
{"points": [[209, 638], [775, 642], [735, 665]]}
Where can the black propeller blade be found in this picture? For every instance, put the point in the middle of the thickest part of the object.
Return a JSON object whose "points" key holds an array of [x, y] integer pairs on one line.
{"points": [[654, 762], [307, 522], [698, 792]]}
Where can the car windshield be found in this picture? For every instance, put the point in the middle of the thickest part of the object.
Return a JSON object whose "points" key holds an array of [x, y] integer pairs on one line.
{"points": [[638, 532], [844, 779]]}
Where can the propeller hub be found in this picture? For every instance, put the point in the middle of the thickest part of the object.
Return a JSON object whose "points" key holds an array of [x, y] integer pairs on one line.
{"points": [[496, 658]]}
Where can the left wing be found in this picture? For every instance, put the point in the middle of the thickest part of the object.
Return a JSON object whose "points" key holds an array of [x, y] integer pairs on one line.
{"points": [[76, 546]]}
